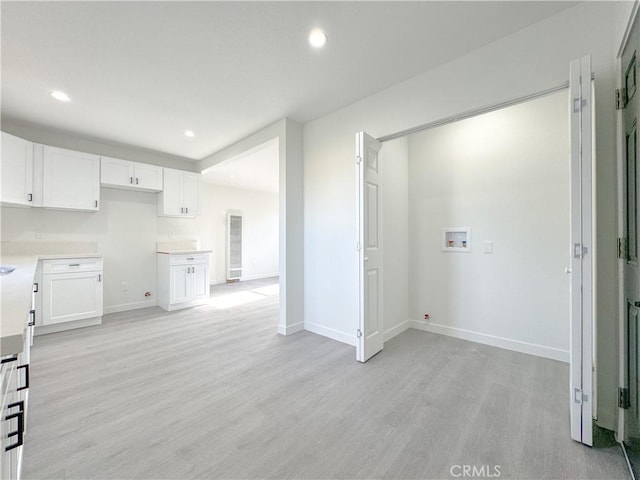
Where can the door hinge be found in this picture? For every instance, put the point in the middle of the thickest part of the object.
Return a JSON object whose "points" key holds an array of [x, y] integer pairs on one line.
{"points": [[621, 98], [623, 248], [579, 397], [624, 401], [359, 333], [578, 104], [579, 250]]}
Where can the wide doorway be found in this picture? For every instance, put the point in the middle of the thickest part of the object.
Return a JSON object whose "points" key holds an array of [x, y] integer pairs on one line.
{"points": [[244, 194]]}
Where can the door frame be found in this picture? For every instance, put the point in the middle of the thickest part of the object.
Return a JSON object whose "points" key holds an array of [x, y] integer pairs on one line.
{"points": [[585, 341], [291, 213]]}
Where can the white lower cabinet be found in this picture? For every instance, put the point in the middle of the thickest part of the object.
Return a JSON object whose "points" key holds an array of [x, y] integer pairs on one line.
{"points": [[183, 280], [71, 291]]}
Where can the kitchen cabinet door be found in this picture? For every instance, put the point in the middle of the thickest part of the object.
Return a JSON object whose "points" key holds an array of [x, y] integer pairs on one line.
{"points": [[71, 296], [170, 199], [191, 193], [180, 196], [180, 284], [115, 172], [200, 281], [16, 164], [71, 180], [148, 177]]}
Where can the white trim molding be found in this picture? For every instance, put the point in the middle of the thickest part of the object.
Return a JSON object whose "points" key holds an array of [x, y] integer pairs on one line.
{"points": [[494, 341], [331, 333], [398, 329], [125, 307], [290, 329]]}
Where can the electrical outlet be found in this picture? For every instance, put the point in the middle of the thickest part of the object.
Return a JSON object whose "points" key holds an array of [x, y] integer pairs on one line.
{"points": [[125, 286]]}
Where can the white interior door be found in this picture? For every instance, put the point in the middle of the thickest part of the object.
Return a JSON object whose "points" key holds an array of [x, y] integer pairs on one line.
{"points": [[582, 254], [370, 334], [628, 252]]}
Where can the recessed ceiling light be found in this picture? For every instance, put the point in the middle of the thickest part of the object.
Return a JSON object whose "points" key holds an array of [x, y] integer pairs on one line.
{"points": [[317, 38], [60, 95], [189, 133]]}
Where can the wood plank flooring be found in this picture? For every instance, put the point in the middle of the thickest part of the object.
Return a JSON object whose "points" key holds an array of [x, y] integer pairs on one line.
{"points": [[216, 393]]}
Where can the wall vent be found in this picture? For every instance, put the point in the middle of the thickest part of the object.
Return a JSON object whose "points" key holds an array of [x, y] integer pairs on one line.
{"points": [[234, 247]]}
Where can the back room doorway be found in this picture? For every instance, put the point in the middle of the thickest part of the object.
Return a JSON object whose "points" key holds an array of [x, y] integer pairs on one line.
{"points": [[244, 194]]}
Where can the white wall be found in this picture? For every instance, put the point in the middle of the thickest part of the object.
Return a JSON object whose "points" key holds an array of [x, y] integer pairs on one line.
{"points": [[260, 230], [505, 174], [531, 60], [124, 229]]}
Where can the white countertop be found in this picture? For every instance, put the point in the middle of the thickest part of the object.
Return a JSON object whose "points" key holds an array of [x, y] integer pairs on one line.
{"points": [[15, 296], [183, 252]]}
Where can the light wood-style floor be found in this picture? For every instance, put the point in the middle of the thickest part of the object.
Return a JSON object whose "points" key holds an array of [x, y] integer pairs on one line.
{"points": [[216, 393]]}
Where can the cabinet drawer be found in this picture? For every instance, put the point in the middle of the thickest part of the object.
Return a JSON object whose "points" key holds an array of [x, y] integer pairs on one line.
{"points": [[188, 259], [70, 265]]}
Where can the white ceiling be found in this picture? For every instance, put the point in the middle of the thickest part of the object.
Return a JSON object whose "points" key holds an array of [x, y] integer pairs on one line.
{"points": [[256, 169], [141, 73]]}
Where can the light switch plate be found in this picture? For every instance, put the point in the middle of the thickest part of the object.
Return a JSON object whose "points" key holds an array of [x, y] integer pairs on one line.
{"points": [[488, 246]]}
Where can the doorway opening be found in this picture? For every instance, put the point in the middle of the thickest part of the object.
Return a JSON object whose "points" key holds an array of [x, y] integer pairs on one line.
{"points": [[501, 184], [244, 194]]}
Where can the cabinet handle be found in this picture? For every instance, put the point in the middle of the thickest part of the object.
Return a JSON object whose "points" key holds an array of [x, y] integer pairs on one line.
{"points": [[96, 203], [189, 258], [26, 377], [8, 360], [137, 181], [20, 431], [30, 197], [32, 322], [35, 287], [74, 264], [130, 179], [186, 209], [99, 277]]}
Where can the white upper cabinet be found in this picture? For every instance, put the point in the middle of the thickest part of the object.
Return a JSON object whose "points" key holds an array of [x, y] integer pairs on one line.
{"points": [[180, 196], [16, 171], [71, 180], [117, 173]]}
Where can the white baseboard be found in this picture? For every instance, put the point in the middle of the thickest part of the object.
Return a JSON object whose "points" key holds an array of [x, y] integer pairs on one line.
{"points": [[125, 307], [220, 281], [494, 341], [259, 276], [290, 329], [393, 331], [61, 327], [331, 333]]}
